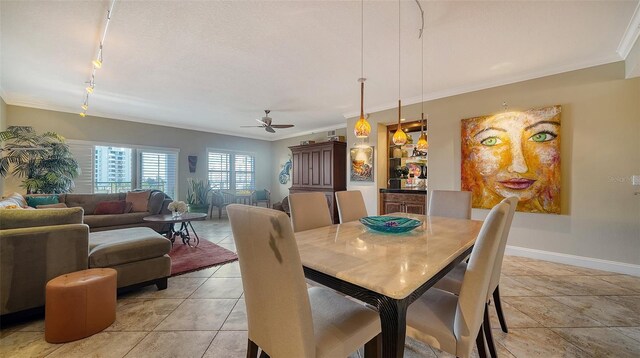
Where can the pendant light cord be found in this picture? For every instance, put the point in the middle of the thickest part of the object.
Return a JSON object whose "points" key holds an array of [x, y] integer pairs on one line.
{"points": [[362, 38], [399, 57]]}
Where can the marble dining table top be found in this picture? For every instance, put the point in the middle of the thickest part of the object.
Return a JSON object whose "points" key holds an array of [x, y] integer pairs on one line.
{"points": [[394, 265]]}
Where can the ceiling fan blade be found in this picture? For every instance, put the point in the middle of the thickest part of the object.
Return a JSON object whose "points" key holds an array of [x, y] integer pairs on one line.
{"points": [[269, 129], [251, 126], [282, 125], [261, 122]]}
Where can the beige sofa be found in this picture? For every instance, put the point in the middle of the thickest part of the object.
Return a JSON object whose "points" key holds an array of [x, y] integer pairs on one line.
{"points": [[38, 245], [158, 203]]}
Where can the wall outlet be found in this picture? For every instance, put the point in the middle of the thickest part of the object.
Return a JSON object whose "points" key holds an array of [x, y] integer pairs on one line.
{"points": [[635, 180]]}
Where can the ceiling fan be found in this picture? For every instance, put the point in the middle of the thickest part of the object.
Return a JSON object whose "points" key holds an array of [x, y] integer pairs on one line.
{"points": [[265, 122]]}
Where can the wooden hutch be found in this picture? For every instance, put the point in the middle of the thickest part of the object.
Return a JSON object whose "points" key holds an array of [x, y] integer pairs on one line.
{"points": [[320, 167]]}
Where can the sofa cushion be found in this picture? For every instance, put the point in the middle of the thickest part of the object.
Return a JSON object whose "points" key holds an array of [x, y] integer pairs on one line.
{"points": [[114, 219], [14, 219], [13, 200], [139, 199], [117, 247], [89, 201], [110, 207], [34, 201], [52, 206]]}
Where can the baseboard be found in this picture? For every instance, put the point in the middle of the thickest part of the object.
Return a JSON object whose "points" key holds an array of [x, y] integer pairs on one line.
{"points": [[587, 262]]}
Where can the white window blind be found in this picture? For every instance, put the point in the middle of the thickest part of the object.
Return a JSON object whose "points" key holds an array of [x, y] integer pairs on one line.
{"points": [[158, 170], [83, 154], [219, 167], [244, 171]]}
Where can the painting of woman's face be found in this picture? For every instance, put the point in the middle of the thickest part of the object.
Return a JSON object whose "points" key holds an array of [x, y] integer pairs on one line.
{"points": [[513, 154]]}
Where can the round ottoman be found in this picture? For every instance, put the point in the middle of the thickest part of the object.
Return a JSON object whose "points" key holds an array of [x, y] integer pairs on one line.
{"points": [[79, 304]]}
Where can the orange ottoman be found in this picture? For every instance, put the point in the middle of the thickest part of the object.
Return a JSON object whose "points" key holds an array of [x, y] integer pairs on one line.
{"points": [[79, 304]]}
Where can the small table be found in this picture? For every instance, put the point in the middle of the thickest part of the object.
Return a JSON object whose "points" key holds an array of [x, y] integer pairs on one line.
{"points": [[185, 223]]}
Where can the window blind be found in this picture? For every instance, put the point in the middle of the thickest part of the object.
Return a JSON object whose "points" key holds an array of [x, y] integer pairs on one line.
{"points": [[158, 170], [219, 168], [83, 154], [244, 172]]}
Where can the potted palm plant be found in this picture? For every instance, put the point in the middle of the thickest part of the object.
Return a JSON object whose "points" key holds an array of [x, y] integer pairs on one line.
{"points": [[197, 193], [43, 160]]}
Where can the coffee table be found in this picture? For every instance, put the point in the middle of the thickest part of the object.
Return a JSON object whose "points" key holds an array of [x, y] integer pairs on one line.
{"points": [[185, 223]]}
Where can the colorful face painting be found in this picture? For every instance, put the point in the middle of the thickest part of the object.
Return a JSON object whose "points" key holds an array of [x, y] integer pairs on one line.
{"points": [[513, 154]]}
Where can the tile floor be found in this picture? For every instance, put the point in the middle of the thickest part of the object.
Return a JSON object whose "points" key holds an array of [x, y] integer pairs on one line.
{"points": [[553, 310]]}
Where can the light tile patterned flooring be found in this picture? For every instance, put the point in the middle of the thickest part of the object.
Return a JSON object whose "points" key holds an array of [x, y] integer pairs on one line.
{"points": [[553, 310]]}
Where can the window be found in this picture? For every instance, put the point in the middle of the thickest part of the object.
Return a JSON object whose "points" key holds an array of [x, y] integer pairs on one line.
{"points": [[117, 168], [231, 170], [113, 169], [158, 171]]}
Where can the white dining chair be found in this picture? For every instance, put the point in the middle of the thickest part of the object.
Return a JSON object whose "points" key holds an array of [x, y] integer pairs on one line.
{"points": [[285, 319], [449, 322], [450, 203], [350, 205], [452, 282], [309, 211]]}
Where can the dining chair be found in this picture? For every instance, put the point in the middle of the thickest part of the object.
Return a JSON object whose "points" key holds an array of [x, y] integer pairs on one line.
{"points": [[309, 211], [449, 322], [218, 200], [261, 196], [350, 205], [452, 282], [450, 203], [285, 319]]}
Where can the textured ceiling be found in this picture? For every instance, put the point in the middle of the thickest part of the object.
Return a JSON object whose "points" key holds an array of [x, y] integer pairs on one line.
{"points": [[214, 66]]}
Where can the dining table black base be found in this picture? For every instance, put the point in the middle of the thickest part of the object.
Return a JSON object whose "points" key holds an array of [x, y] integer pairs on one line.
{"points": [[392, 311]]}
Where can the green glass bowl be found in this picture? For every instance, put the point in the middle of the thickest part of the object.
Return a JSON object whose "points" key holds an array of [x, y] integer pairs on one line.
{"points": [[390, 224]]}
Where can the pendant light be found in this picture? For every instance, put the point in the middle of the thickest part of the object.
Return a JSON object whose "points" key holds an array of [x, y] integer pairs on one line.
{"points": [[399, 137], [362, 128], [422, 144]]}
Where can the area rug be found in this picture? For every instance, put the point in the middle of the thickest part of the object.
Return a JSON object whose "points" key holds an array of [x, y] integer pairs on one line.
{"points": [[186, 259]]}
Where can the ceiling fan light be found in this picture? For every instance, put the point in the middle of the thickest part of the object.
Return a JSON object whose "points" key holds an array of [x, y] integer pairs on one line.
{"points": [[84, 106], [97, 63], [82, 114], [362, 128], [89, 89]]}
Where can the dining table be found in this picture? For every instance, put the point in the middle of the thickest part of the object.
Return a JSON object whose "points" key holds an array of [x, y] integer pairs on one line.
{"points": [[386, 271]]}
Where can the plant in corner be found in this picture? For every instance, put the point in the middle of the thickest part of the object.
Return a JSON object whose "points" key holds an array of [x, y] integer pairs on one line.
{"points": [[43, 160], [197, 192]]}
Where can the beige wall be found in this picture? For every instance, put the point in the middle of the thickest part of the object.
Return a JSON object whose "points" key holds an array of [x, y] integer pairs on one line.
{"points": [[108, 130], [281, 153], [3, 126], [600, 151]]}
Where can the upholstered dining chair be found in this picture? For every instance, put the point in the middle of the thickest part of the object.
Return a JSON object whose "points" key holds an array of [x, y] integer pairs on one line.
{"points": [[350, 205], [261, 196], [450, 203], [285, 319], [452, 282], [309, 211], [449, 322]]}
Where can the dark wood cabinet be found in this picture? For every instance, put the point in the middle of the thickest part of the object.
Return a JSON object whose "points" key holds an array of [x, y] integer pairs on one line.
{"points": [[402, 203], [320, 167]]}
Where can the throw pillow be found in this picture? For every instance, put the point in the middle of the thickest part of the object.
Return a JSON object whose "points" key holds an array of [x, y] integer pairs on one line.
{"points": [[129, 207], [139, 199], [34, 201], [110, 207], [14, 199], [52, 206]]}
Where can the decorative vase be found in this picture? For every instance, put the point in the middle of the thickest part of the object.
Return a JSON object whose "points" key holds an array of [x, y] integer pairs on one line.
{"points": [[176, 214]]}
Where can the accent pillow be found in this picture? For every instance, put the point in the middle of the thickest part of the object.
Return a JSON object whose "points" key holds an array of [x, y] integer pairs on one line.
{"points": [[129, 207], [14, 199], [34, 201], [52, 206], [110, 207], [139, 199]]}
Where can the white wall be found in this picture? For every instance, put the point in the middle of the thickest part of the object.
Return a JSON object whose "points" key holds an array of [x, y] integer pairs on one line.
{"points": [[600, 151]]}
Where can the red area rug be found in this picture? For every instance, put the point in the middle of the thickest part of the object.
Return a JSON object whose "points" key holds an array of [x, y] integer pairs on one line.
{"points": [[186, 259]]}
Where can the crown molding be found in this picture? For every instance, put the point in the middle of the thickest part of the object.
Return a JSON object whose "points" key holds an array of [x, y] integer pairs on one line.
{"points": [[630, 35], [163, 124], [490, 84]]}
